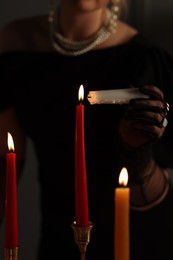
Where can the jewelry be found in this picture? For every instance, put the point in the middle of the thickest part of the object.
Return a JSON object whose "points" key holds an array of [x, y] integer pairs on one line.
{"points": [[166, 106], [114, 9], [75, 48], [165, 110], [164, 122], [164, 113]]}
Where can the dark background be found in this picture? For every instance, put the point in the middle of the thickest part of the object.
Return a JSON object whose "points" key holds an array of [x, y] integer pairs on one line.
{"points": [[154, 19]]}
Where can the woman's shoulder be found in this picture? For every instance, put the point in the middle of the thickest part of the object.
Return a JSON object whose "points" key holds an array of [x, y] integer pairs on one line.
{"points": [[25, 34]]}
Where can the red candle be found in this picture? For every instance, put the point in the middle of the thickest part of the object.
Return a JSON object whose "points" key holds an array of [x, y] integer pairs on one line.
{"points": [[11, 214], [81, 192]]}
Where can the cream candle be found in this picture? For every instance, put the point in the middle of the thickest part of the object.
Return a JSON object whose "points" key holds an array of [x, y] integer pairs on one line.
{"points": [[114, 96], [122, 243]]}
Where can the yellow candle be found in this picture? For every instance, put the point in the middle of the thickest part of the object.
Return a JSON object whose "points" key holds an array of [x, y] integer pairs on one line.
{"points": [[122, 243]]}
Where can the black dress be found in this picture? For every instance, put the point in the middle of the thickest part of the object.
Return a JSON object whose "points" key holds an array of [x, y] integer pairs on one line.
{"points": [[43, 87]]}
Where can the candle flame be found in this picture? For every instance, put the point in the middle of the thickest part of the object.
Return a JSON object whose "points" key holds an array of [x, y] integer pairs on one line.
{"points": [[81, 93], [10, 142], [123, 178]]}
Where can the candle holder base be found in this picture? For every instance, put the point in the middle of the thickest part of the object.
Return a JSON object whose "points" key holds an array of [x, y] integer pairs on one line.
{"points": [[11, 253], [82, 236]]}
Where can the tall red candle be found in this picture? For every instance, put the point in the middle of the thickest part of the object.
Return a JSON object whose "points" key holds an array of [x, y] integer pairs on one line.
{"points": [[81, 192], [11, 213]]}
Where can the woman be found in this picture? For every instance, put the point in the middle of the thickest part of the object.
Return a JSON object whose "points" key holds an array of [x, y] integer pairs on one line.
{"points": [[43, 62]]}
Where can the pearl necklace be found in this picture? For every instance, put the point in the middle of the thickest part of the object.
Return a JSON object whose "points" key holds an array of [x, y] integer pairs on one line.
{"points": [[76, 48]]}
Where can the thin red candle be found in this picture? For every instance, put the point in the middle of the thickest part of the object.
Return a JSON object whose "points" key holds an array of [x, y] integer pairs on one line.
{"points": [[81, 190], [11, 213]]}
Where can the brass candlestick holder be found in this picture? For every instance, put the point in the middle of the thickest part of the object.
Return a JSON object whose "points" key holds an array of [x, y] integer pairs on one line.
{"points": [[82, 236], [11, 253]]}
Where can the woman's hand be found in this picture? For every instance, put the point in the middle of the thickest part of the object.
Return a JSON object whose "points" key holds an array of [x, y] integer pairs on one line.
{"points": [[145, 119]]}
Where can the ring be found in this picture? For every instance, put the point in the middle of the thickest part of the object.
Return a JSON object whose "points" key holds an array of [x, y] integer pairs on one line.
{"points": [[164, 123], [165, 110], [166, 106]]}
